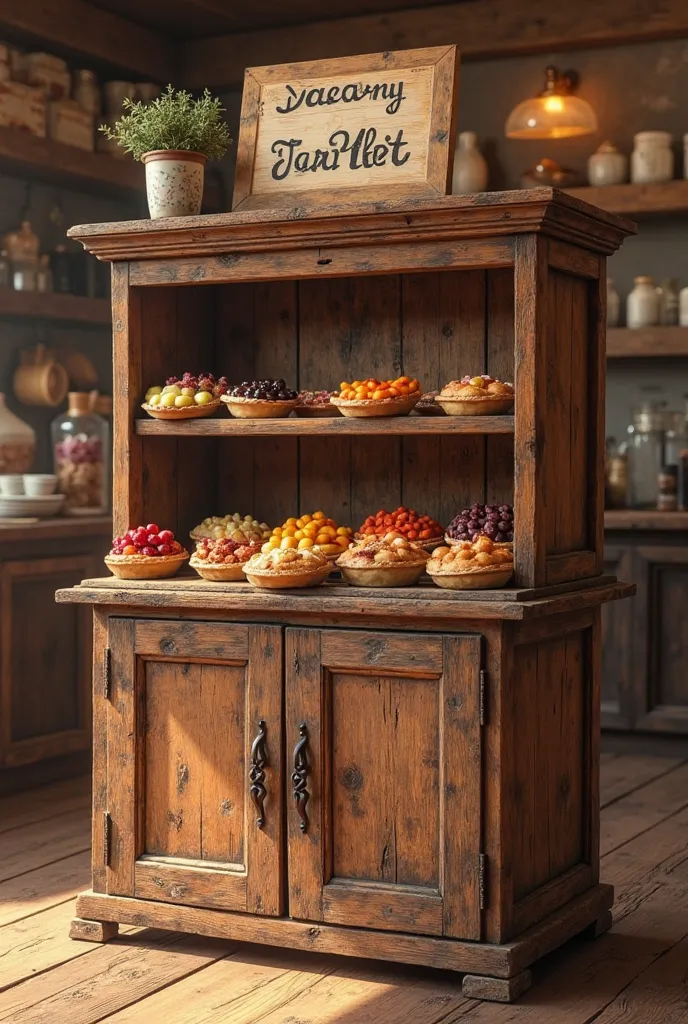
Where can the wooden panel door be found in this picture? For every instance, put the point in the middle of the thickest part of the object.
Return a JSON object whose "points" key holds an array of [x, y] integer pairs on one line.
{"points": [[617, 642], [45, 660], [660, 662], [384, 736], [194, 764]]}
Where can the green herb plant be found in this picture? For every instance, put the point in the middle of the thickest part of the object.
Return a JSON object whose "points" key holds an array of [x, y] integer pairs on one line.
{"points": [[173, 121]]}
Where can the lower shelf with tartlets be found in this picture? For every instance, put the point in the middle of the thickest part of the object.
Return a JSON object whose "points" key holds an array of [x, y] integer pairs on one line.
{"points": [[332, 426]]}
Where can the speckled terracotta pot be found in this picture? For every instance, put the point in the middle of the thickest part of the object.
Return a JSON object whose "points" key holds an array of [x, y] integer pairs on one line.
{"points": [[174, 182]]}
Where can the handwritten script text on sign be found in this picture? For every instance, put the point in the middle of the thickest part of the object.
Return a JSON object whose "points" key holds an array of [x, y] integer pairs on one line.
{"points": [[343, 131]]}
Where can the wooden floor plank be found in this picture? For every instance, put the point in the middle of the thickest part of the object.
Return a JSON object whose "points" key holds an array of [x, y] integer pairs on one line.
{"points": [[109, 977], [644, 808], [44, 887], [658, 996], [32, 846], [44, 803], [253, 981], [622, 773]]}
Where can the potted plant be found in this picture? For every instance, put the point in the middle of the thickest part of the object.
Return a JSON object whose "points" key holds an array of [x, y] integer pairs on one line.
{"points": [[173, 136]]}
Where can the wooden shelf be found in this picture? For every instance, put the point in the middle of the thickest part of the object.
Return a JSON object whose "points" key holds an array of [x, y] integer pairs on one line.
{"points": [[62, 528], [644, 519], [669, 197], [75, 309], [625, 342], [46, 160], [334, 426]]}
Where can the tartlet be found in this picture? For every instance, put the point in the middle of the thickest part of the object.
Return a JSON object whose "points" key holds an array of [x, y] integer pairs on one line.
{"points": [[316, 403], [190, 412], [383, 563], [145, 567], [258, 408], [476, 396], [428, 406], [222, 560], [402, 522], [315, 532], [287, 568], [373, 397], [242, 529], [478, 565]]}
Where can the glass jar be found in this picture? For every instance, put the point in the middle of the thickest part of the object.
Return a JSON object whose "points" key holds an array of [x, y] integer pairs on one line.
{"points": [[613, 304], [642, 304], [667, 293], [44, 275], [645, 455], [5, 270], [81, 455], [675, 437], [652, 159]]}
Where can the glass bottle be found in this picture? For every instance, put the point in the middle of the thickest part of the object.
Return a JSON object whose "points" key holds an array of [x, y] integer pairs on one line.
{"points": [[613, 304], [44, 275], [59, 264], [81, 454], [667, 294], [645, 455], [5, 270], [22, 248]]}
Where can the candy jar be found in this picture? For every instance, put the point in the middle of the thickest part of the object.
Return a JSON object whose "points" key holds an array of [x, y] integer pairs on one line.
{"points": [[82, 453]]}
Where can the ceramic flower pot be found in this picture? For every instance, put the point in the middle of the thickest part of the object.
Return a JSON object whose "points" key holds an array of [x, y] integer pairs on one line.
{"points": [[174, 182]]}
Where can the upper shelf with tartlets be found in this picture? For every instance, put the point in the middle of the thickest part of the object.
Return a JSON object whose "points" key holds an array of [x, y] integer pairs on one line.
{"points": [[334, 426]]}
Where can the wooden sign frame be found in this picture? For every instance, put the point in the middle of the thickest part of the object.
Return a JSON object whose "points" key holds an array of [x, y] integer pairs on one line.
{"points": [[443, 62]]}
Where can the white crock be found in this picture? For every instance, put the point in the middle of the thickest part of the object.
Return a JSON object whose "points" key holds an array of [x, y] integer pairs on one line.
{"points": [[607, 166], [470, 166], [652, 159], [174, 182]]}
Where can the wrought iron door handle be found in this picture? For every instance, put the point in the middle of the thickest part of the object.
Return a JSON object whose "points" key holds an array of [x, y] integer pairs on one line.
{"points": [[299, 776], [259, 762]]}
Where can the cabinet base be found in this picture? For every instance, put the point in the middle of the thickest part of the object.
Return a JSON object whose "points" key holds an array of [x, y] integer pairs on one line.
{"points": [[482, 962], [93, 931]]}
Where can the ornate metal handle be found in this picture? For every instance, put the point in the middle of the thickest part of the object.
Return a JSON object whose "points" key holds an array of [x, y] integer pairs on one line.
{"points": [[299, 776], [259, 762]]}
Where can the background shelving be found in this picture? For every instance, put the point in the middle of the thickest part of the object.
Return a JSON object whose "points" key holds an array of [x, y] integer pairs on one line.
{"points": [[54, 306], [646, 341]]}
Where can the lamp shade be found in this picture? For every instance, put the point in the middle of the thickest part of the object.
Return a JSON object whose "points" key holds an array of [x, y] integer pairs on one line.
{"points": [[554, 114]]}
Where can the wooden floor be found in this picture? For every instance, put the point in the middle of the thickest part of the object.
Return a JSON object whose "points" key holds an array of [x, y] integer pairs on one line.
{"points": [[637, 973]]}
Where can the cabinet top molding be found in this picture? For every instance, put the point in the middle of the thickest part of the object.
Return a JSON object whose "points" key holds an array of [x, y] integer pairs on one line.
{"points": [[448, 218]]}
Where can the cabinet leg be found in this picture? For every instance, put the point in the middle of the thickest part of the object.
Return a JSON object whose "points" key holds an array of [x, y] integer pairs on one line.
{"points": [[496, 990], [600, 926], [93, 931]]}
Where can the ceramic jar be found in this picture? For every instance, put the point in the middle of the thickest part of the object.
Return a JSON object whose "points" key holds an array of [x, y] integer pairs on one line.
{"points": [[174, 182], [642, 304], [115, 95], [470, 166], [607, 166], [613, 304], [652, 160], [146, 92], [86, 91], [17, 442], [685, 156], [40, 379], [683, 307]]}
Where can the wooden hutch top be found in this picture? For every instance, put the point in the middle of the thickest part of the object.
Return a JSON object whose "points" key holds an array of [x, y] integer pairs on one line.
{"points": [[510, 283]]}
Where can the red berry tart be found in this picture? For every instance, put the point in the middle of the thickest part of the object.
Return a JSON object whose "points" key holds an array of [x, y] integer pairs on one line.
{"points": [[222, 560], [145, 553]]}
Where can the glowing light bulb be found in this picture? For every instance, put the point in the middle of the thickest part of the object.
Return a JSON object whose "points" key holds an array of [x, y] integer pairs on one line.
{"points": [[553, 104]]}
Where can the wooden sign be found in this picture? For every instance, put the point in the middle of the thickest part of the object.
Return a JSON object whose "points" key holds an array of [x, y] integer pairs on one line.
{"points": [[379, 126]]}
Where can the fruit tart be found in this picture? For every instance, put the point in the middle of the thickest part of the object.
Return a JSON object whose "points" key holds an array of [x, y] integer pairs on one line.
{"points": [[316, 403], [388, 561], [374, 397], [242, 529], [311, 532], [261, 399], [476, 396], [222, 560], [145, 553], [282, 568], [471, 565], [186, 397], [493, 521], [403, 522]]}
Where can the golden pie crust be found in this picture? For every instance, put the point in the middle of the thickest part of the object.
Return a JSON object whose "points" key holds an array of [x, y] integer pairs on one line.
{"points": [[489, 577], [218, 572], [145, 567], [258, 408], [189, 412], [403, 574], [362, 407]]}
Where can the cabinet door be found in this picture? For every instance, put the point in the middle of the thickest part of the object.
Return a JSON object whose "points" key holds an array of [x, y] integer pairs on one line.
{"points": [[45, 656], [617, 638], [193, 764], [660, 663], [383, 730]]}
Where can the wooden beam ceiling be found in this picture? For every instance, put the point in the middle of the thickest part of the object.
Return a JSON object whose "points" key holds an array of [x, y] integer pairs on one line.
{"points": [[74, 26], [482, 29]]}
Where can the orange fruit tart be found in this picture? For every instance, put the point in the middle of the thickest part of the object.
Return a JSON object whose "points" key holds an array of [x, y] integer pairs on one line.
{"points": [[403, 522], [476, 396], [373, 397], [383, 562], [310, 532], [472, 565]]}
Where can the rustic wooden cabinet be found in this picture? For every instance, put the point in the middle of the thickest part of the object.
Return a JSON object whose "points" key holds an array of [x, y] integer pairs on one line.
{"points": [[645, 679], [45, 651], [404, 773]]}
